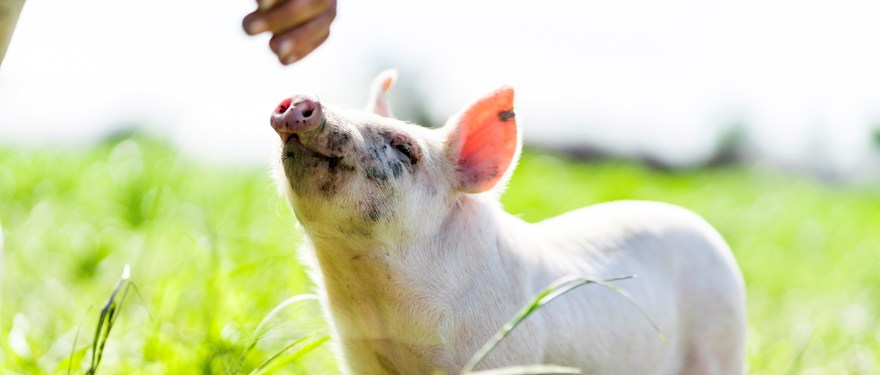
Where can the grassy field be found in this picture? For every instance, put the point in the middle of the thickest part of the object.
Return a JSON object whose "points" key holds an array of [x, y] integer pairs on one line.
{"points": [[212, 251]]}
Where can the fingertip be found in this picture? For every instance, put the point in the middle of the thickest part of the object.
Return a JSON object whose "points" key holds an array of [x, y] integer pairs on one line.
{"points": [[287, 60], [254, 25], [285, 47], [265, 4]]}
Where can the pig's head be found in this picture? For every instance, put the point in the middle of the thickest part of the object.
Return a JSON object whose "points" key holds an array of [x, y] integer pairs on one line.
{"points": [[357, 175]]}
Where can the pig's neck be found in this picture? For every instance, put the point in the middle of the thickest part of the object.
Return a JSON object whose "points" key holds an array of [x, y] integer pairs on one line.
{"points": [[398, 307]]}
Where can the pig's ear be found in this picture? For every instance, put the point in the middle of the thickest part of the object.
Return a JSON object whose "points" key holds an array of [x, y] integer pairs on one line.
{"points": [[378, 102], [483, 141]]}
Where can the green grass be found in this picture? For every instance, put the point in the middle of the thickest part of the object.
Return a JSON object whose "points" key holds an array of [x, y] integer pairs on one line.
{"points": [[212, 252]]}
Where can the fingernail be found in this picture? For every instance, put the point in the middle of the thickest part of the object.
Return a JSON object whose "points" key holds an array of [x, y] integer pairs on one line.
{"points": [[256, 26], [290, 59], [265, 4], [285, 47]]}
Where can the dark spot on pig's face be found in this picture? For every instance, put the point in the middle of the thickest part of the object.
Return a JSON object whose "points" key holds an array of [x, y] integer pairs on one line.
{"points": [[328, 188], [396, 169], [388, 173], [303, 167], [353, 173], [506, 115], [376, 174], [337, 140], [373, 211]]}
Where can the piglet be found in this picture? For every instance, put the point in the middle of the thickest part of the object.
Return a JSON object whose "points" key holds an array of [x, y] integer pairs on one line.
{"points": [[418, 264]]}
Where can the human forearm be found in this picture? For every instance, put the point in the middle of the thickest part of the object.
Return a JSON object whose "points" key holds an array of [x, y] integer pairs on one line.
{"points": [[9, 11]]}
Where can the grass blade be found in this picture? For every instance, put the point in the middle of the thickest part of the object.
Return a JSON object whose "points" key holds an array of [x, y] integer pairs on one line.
{"points": [[75, 339], [108, 318], [260, 330], [553, 291], [305, 349]]}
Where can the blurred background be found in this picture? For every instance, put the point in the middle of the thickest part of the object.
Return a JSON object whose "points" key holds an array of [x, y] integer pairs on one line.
{"points": [[137, 132], [797, 81]]}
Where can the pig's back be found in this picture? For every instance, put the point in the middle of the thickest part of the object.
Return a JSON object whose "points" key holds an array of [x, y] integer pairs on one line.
{"points": [[686, 281], [622, 234]]}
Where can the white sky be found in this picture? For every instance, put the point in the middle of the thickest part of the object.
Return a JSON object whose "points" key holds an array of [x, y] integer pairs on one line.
{"points": [[638, 76]]}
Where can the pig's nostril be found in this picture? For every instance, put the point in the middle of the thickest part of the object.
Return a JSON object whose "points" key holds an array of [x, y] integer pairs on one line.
{"points": [[296, 114], [304, 109], [281, 108]]}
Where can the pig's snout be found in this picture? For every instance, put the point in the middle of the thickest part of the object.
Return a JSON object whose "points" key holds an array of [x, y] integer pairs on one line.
{"points": [[297, 114]]}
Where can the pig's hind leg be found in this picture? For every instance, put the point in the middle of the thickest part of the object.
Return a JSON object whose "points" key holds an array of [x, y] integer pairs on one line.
{"points": [[716, 337], [714, 316]]}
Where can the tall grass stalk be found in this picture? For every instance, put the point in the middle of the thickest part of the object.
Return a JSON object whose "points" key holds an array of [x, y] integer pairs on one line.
{"points": [[303, 350], [554, 290], [261, 330], [108, 316], [73, 355]]}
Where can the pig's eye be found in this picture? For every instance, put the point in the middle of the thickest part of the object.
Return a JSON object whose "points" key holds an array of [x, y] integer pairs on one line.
{"points": [[405, 150]]}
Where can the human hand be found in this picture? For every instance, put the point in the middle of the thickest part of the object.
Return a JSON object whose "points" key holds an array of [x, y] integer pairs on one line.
{"points": [[297, 26]]}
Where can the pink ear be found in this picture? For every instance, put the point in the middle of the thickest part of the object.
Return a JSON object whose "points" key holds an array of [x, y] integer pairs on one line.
{"points": [[483, 141]]}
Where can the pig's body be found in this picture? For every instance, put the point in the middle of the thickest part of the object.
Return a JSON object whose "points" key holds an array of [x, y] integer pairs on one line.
{"points": [[416, 314], [419, 265]]}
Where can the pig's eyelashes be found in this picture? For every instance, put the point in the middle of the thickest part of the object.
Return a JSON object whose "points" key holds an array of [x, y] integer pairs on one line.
{"points": [[406, 148], [406, 151]]}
